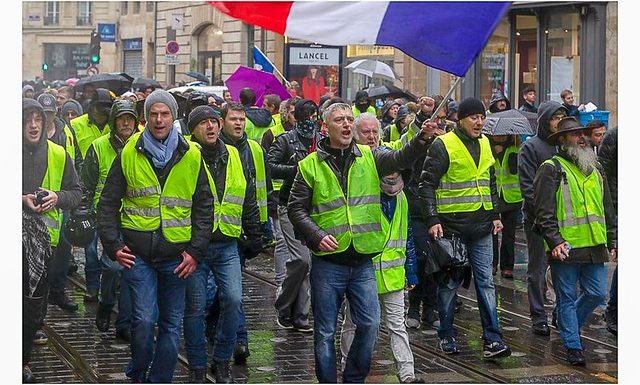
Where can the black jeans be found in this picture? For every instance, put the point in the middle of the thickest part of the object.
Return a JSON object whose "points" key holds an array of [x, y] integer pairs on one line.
{"points": [[505, 251], [426, 290]]}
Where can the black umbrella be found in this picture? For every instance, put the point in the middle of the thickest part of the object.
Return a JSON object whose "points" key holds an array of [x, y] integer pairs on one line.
{"points": [[142, 84], [509, 122], [381, 92], [113, 82], [198, 76]]}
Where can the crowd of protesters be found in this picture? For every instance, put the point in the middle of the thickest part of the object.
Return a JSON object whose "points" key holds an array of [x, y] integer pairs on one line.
{"points": [[354, 203]]}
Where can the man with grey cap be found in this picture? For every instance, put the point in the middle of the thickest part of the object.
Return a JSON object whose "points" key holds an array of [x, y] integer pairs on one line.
{"points": [[69, 110], [575, 215], [154, 218]]}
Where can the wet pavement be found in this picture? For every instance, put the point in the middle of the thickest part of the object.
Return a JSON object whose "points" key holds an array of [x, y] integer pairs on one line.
{"points": [[78, 353]]}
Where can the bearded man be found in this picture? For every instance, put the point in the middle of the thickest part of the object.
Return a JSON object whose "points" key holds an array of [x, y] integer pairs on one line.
{"points": [[575, 215]]}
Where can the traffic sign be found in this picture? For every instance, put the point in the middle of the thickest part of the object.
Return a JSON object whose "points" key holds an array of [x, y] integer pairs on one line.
{"points": [[172, 47], [92, 70]]}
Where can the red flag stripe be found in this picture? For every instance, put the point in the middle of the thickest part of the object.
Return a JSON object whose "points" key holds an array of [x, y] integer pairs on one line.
{"points": [[271, 15]]}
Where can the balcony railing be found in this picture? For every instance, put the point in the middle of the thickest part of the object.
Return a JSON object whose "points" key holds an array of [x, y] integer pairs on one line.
{"points": [[83, 20], [51, 20]]}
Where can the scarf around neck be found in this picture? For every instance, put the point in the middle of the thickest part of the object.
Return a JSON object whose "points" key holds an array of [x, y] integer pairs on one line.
{"points": [[161, 152], [392, 188]]}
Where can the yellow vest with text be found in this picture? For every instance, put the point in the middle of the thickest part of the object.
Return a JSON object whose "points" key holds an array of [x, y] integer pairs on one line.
{"points": [[261, 178], [106, 154], [146, 206], [580, 207], [465, 186], [56, 160], [389, 265], [356, 217], [227, 214], [508, 184], [86, 132]]}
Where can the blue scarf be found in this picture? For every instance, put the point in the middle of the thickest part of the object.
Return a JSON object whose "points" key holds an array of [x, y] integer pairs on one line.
{"points": [[161, 152]]}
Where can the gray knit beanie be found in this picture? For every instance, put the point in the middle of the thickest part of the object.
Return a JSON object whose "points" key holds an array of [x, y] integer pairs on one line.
{"points": [[71, 104], [160, 96], [201, 113]]}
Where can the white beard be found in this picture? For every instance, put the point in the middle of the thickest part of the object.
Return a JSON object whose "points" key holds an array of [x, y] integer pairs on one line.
{"points": [[584, 158]]}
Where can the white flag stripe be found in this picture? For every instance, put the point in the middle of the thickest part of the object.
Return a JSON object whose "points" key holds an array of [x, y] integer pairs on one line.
{"points": [[336, 23]]}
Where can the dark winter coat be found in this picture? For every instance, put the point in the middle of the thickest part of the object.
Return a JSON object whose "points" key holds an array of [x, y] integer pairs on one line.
{"points": [[260, 117], [546, 183], [496, 97], [152, 246], [284, 155], [340, 161], [528, 107], [474, 224], [533, 152], [608, 158]]}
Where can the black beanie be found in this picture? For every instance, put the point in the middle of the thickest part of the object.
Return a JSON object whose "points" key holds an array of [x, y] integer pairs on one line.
{"points": [[199, 114], [470, 106]]}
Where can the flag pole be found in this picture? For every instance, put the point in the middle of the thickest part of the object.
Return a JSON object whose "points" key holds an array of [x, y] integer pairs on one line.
{"points": [[442, 103], [272, 65]]}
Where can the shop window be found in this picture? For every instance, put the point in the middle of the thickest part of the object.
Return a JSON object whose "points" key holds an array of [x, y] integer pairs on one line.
{"points": [[494, 66], [562, 59], [526, 57]]}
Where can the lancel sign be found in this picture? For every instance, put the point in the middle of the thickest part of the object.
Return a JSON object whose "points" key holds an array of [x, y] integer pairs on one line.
{"points": [[318, 56]]}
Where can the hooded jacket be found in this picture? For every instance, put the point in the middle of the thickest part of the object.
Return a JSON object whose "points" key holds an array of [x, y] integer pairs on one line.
{"points": [[260, 117], [546, 183], [608, 158], [387, 120], [152, 246], [473, 224], [495, 98], [34, 166], [533, 152], [340, 162]]}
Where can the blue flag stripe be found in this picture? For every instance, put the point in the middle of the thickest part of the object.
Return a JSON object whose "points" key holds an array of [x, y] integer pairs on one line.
{"points": [[260, 59], [443, 35]]}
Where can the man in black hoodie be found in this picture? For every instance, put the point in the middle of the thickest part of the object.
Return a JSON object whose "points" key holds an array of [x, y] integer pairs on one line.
{"points": [[533, 152], [48, 168]]}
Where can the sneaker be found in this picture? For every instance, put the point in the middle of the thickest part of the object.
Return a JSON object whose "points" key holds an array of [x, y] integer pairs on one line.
{"points": [[496, 349], [413, 380], [40, 338], [412, 323], [449, 345], [430, 317], [284, 322], [304, 327], [575, 357]]}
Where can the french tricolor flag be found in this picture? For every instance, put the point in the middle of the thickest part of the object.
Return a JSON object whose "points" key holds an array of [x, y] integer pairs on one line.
{"points": [[443, 35]]}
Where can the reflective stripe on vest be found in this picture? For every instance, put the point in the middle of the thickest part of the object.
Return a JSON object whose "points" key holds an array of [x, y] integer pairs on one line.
{"points": [[105, 154], [70, 145], [389, 265], [355, 218], [261, 178], [465, 186], [580, 207], [56, 159], [86, 132], [146, 206], [508, 184], [227, 215]]}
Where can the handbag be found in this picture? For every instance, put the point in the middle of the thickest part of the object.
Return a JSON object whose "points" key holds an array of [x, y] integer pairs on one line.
{"points": [[448, 252]]}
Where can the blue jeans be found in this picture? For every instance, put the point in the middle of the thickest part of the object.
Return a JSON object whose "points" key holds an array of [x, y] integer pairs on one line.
{"points": [[112, 277], [481, 257], [212, 312], [61, 257], [573, 310], [155, 288], [92, 264], [329, 284], [223, 261]]}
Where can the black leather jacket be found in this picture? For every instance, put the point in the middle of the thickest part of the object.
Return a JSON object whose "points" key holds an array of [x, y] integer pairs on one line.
{"points": [[387, 162], [284, 155]]}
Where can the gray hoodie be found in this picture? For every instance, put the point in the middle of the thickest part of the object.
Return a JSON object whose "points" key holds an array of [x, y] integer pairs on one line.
{"points": [[533, 152]]}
